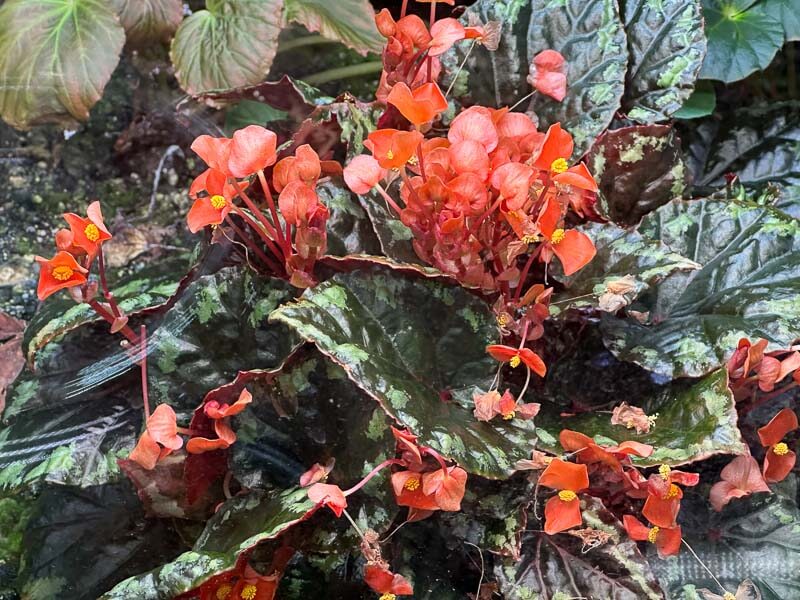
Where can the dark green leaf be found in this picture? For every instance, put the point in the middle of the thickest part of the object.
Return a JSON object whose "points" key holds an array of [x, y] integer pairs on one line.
{"points": [[743, 37], [349, 228], [561, 566], [149, 21], [752, 538], [394, 236], [785, 11], [238, 525], [637, 169], [590, 37], [250, 112], [620, 252], [80, 542], [217, 328], [695, 420], [758, 144], [748, 287], [667, 45], [701, 103], [352, 22], [55, 59], [286, 95], [229, 45], [407, 342]]}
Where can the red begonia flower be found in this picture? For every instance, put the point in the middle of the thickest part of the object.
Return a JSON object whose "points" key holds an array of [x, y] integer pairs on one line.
{"points": [[393, 148], [556, 149], [666, 539], [363, 173], [317, 473], [740, 477], [664, 496], [65, 241], [252, 149], [382, 581], [61, 271], [513, 181], [407, 445], [573, 248], [469, 156], [213, 208], [159, 439], [214, 152], [408, 491], [779, 459], [515, 356], [446, 486], [419, 106], [587, 451], [445, 33], [474, 124], [329, 495], [298, 203], [89, 232], [221, 415], [304, 166], [563, 511], [547, 74]]}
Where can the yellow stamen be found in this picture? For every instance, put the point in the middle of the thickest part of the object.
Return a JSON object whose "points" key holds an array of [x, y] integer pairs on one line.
{"points": [[530, 239], [781, 449], [387, 596], [389, 154], [664, 471], [673, 491], [728, 596], [249, 592], [412, 484], [558, 236], [515, 360], [559, 166], [413, 161], [508, 416], [548, 459], [218, 202], [223, 591], [503, 319], [62, 273], [567, 495], [652, 535], [91, 232]]}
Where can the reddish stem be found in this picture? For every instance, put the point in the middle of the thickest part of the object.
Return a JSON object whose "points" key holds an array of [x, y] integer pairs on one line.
{"points": [[143, 368], [434, 454], [421, 161], [403, 11], [274, 211], [110, 319], [260, 231], [407, 181], [250, 243], [371, 474], [101, 269], [474, 229], [534, 255], [433, 16], [390, 201], [270, 229], [767, 397]]}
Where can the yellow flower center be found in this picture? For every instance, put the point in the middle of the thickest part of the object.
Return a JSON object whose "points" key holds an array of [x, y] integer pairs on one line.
{"points": [[413, 161], [62, 273], [223, 591], [728, 596], [673, 491], [412, 484], [390, 155], [664, 471], [502, 320], [781, 449], [515, 360], [558, 236], [91, 232], [567, 495], [530, 239], [509, 415], [248, 592], [387, 596], [652, 535], [218, 202], [559, 166]]}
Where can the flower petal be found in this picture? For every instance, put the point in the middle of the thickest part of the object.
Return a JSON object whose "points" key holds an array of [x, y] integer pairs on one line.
{"points": [[560, 515], [561, 475]]}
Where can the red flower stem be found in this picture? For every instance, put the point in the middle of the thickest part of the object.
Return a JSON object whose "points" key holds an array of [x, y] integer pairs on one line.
{"points": [[274, 211], [433, 15], [434, 454], [260, 231], [421, 163], [403, 10], [767, 397], [389, 200], [270, 229], [143, 368], [251, 245], [101, 269], [430, 69], [407, 181], [524, 335], [371, 474], [187, 431], [475, 226], [524, 387], [534, 255], [420, 64], [109, 318]]}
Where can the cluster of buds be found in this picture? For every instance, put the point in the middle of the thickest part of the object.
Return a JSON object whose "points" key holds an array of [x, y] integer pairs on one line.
{"points": [[291, 234]]}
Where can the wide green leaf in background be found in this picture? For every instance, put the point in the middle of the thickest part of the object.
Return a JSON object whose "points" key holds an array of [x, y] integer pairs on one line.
{"points": [[417, 347], [743, 37], [55, 59], [352, 22], [749, 286], [667, 45], [230, 44], [149, 21]]}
